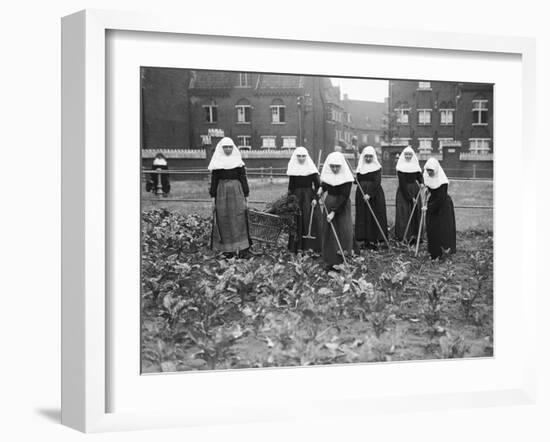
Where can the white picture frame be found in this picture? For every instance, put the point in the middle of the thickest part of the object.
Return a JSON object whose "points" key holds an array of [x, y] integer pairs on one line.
{"points": [[86, 233]]}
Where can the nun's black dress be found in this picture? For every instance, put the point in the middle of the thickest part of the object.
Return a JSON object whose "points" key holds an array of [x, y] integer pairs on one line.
{"points": [[337, 201], [230, 231], [305, 189], [407, 190], [440, 222], [365, 226]]}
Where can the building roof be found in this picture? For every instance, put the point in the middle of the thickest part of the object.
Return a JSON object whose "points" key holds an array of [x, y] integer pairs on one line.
{"points": [[211, 80], [270, 81]]}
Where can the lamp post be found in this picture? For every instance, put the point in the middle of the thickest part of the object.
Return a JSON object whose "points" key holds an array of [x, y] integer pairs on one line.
{"points": [[355, 150], [300, 102]]}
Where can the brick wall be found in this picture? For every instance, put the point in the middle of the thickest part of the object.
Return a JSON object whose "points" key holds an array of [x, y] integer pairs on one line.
{"points": [[164, 107]]}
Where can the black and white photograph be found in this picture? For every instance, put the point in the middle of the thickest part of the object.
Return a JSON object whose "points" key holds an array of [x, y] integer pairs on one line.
{"points": [[298, 220]]}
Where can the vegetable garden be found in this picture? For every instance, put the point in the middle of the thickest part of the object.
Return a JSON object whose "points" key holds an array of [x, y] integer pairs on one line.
{"points": [[201, 311]]}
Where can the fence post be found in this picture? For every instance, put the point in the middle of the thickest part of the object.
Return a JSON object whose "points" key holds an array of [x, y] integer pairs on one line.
{"points": [[261, 173], [271, 174], [474, 170], [159, 182]]}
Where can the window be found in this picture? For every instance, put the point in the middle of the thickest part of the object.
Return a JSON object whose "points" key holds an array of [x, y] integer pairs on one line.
{"points": [[424, 145], [289, 142], [338, 135], [447, 116], [401, 141], [480, 112], [479, 145], [244, 79], [424, 85], [442, 141], [336, 115], [277, 112], [402, 115], [364, 138], [348, 118], [211, 112], [244, 141], [377, 139], [425, 116], [243, 111], [268, 142]]}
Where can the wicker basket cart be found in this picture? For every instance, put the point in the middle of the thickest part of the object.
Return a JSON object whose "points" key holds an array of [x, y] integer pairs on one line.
{"points": [[267, 228]]}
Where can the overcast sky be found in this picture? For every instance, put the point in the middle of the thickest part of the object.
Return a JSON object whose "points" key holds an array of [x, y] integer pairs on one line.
{"points": [[362, 89]]}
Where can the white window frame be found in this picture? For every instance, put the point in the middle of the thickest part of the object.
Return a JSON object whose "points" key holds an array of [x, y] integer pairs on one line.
{"points": [[364, 138], [444, 120], [401, 140], [277, 107], [424, 86], [423, 150], [287, 139], [427, 112], [441, 140], [269, 137], [480, 110], [401, 112], [240, 145], [477, 149], [238, 107], [210, 108], [246, 77]]}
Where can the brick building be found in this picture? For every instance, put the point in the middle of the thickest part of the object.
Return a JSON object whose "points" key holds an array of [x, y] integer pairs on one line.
{"points": [[185, 113], [451, 121], [366, 120], [164, 109]]}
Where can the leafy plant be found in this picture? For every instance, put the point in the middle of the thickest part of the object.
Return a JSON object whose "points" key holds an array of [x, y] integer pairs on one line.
{"points": [[452, 347]]}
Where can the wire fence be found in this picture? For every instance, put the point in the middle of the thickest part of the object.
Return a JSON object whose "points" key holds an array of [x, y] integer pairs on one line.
{"points": [[268, 174], [277, 172]]}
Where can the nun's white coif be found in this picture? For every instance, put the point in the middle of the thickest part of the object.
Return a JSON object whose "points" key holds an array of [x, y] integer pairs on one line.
{"points": [[363, 167], [408, 166], [222, 161], [159, 162], [439, 177], [343, 176], [296, 169]]}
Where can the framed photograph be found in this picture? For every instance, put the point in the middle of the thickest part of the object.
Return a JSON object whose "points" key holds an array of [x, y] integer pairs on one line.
{"points": [[292, 223]]}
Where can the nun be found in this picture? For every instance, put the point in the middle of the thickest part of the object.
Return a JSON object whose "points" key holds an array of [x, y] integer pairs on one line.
{"points": [[304, 183], [369, 177], [159, 164], [409, 176], [440, 214], [336, 182], [229, 191]]}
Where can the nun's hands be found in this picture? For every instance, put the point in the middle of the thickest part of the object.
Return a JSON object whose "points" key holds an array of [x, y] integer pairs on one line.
{"points": [[313, 202], [366, 197], [320, 191], [424, 208], [330, 216]]}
